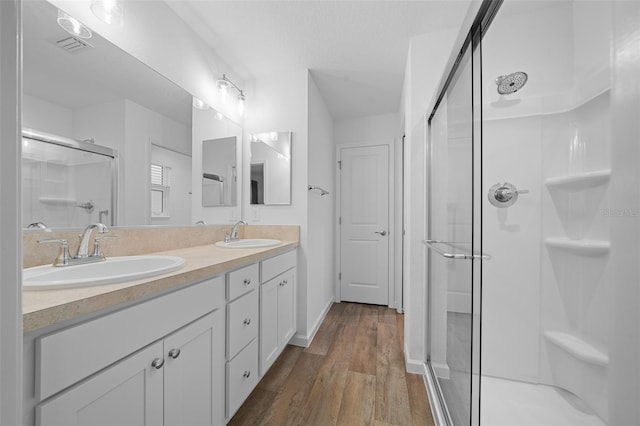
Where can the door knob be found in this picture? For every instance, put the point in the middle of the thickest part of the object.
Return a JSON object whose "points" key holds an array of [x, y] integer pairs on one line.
{"points": [[381, 233]]}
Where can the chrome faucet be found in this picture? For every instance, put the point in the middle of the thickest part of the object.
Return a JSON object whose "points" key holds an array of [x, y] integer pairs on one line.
{"points": [[65, 259], [234, 232], [83, 248]]}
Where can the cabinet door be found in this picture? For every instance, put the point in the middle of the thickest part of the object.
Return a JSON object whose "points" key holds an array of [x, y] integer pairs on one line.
{"points": [[194, 373], [128, 393], [269, 348], [286, 308]]}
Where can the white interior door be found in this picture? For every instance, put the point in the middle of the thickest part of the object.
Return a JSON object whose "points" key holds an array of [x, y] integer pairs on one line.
{"points": [[364, 232]]}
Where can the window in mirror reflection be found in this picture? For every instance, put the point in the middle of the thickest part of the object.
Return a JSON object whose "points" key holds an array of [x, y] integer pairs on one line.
{"points": [[271, 168], [219, 172], [160, 190]]}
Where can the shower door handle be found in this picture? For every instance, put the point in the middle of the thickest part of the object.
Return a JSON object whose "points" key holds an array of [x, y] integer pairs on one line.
{"points": [[381, 233]]}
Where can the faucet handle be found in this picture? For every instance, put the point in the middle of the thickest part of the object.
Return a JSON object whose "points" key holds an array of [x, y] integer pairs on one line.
{"points": [[97, 250], [63, 256]]}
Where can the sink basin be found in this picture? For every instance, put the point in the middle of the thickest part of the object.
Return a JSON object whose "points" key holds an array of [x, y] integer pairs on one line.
{"points": [[249, 243], [112, 270]]}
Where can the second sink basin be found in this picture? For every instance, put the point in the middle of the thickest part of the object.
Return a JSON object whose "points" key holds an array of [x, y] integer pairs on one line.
{"points": [[249, 243], [112, 270]]}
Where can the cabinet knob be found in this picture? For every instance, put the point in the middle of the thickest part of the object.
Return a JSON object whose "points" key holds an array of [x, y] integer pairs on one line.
{"points": [[247, 321], [157, 363], [284, 282], [247, 281], [246, 374], [174, 353]]}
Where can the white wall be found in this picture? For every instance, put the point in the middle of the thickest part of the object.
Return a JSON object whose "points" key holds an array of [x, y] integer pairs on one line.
{"points": [[321, 218], [290, 101], [44, 116], [280, 103]]}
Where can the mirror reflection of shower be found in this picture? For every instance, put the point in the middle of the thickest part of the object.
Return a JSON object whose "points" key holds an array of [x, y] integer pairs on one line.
{"points": [[66, 183]]}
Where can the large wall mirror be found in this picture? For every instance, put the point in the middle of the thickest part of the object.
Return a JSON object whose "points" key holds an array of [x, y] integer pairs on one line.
{"points": [[90, 90], [270, 174]]}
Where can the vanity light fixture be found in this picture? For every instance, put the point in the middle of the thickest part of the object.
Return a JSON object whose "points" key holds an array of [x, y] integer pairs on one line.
{"points": [[199, 104], [73, 26], [223, 85], [109, 11]]}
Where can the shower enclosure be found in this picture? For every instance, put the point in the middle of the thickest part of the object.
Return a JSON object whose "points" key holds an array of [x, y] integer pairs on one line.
{"points": [[532, 305], [67, 183]]}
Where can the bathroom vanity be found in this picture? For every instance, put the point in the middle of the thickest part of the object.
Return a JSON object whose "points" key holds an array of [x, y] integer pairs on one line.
{"points": [[186, 347]]}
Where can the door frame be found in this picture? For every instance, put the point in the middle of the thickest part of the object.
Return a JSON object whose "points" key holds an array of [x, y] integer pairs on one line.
{"points": [[395, 289]]}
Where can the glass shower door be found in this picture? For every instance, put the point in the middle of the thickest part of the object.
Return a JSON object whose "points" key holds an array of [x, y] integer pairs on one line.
{"points": [[453, 255]]}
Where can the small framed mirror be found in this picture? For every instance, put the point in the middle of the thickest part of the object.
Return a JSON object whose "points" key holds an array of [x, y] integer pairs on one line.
{"points": [[219, 172], [270, 171]]}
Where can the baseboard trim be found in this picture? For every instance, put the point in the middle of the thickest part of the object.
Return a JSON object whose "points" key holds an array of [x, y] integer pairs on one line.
{"points": [[413, 365], [305, 341]]}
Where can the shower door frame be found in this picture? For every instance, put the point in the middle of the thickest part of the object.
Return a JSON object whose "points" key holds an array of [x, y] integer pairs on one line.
{"points": [[472, 42]]}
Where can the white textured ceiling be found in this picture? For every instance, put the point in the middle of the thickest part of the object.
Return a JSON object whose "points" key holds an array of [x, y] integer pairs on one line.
{"points": [[356, 50]]}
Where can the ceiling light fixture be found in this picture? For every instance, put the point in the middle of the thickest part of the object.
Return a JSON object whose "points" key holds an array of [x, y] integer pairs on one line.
{"points": [[109, 11], [223, 88], [73, 26]]}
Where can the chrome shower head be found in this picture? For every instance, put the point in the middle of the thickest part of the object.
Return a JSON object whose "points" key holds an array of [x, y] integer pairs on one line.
{"points": [[511, 83]]}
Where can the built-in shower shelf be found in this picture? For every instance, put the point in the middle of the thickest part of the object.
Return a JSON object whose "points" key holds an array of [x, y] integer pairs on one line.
{"points": [[58, 201], [577, 347], [579, 181], [581, 247]]}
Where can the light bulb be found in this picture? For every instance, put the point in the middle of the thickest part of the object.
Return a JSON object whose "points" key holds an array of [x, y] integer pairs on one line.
{"points": [[109, 11], [73, 26], [223, 88], [199, 104]]}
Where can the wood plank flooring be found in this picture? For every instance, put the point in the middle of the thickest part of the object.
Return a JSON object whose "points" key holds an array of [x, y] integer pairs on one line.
{"points": [[353, 373]]}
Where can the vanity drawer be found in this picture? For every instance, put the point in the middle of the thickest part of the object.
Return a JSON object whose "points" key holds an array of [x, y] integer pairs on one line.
{"points": [[242, 281], [242, 322], [242, 377], [278, 264]]}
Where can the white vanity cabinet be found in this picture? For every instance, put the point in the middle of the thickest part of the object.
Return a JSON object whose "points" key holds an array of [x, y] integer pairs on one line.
{"points": [[173, 378], [277, 307]]}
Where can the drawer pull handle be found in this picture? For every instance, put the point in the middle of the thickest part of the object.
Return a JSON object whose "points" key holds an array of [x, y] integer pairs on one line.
{"points": [[157, 363], [247, 321], [174, 353], [246, 374], [247, 281]]}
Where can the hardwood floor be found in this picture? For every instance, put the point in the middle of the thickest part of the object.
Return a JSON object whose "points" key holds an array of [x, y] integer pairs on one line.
{"points": [[352, 374]]}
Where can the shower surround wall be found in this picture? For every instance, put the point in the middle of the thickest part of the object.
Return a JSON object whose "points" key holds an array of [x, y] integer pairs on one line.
{"points": [[546, 293]]}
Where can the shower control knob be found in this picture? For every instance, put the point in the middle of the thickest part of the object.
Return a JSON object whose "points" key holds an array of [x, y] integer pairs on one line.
{"points": [[504, 194]]}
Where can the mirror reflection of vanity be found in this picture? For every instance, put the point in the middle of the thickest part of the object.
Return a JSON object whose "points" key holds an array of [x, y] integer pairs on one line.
{"points": [[94, 92], [270, 174]]}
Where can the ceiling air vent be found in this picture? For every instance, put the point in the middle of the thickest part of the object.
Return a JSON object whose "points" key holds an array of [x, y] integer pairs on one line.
{"points": [[71, 44]]}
